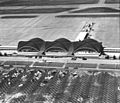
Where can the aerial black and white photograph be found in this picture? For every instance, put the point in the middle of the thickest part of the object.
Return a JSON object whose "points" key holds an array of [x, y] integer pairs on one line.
{"points": [[59, 51]]}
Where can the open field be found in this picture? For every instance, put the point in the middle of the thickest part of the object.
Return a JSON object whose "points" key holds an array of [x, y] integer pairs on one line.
{"points": [[46, 2], [97, 10], [34, 11], [112, 1], [44, 26], [49, 23], [49, 27]]}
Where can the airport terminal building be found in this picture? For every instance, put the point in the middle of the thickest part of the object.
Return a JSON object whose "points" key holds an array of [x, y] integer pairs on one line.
{"points": [[59, 51], [60, 45]]}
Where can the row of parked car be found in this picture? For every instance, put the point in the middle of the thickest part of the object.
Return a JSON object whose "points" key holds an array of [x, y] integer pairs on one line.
{"points": [[20, 85]]}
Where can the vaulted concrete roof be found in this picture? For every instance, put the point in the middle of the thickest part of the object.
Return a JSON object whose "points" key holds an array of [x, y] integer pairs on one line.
{"points": [[60, 45]]}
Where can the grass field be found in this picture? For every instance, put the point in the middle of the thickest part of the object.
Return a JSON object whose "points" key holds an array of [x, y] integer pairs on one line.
{"points": [[46, 2], [33, 11], [97, 10], [112, 1], [15, 17]]}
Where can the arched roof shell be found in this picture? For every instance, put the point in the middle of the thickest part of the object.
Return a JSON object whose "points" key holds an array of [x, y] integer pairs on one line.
{"points": [[90, 44], [61, 43], [48, 44], [77, 45], [21, 44], [35, 43]]}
